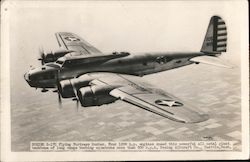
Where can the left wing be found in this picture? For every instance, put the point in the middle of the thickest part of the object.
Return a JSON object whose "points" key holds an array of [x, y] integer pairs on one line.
{"points": [[71, 41], [132, 90]]}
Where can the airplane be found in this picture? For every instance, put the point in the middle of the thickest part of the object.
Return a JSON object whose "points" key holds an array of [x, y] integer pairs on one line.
{"points": [[82, 72]]}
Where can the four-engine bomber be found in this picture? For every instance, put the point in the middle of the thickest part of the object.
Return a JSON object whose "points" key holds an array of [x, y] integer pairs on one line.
{"points": [[85, 74]]}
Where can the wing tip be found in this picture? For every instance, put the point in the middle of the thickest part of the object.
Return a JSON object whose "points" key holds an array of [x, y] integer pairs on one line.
{"points": [[63, 32], [199, 119]]}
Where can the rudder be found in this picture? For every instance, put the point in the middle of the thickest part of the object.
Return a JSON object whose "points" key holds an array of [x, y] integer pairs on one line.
{"points": [[215, 40]]}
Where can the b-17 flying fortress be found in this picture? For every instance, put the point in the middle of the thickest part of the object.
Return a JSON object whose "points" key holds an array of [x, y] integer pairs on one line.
{"points": [[92, 78]]}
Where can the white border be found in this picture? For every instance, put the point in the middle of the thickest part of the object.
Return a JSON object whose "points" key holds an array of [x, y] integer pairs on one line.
{"points": [[7, 155]]}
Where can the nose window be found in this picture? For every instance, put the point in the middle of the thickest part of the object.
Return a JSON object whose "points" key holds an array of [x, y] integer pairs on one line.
{"points": [[27, 76]]}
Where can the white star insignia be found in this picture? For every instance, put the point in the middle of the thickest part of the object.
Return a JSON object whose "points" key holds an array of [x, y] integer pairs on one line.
{"points": [[72, 39], [169, 103]]}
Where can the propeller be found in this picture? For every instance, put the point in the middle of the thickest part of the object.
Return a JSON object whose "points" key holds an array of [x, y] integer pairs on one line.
{"points": [[76, 95], [58, 87], [42, 55], [59, 100], [77, 103]]}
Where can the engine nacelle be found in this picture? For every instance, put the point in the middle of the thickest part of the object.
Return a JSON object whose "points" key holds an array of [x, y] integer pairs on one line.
{"points": [[95, 95], [53, 56], [67, 87]]}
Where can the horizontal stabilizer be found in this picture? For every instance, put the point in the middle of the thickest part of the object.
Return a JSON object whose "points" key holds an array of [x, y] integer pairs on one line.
{"points": [[211, 60]]}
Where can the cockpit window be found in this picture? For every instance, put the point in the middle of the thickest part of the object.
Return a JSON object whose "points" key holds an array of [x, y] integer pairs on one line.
{"points": [[59, 62], [53, 65]]}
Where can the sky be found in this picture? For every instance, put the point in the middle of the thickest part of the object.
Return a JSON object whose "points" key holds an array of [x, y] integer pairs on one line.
{"points": [[140, 26]]}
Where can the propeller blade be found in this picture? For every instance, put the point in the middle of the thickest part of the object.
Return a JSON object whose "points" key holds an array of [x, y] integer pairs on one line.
{"points": [[59, 100], [76, 95], [58, 86], [41, 55], [77, 105]]}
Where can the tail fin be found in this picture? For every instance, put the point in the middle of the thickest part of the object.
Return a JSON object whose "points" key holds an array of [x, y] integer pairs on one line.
{"points": [[215, 41]]}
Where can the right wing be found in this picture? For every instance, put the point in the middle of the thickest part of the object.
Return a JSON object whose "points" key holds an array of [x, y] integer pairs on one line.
{"points": [[162, 104], [71, 41], [132, 90]]}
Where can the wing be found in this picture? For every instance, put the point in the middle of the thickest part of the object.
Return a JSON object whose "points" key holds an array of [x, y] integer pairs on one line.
{"points": [[133, 90], [75, 43]]}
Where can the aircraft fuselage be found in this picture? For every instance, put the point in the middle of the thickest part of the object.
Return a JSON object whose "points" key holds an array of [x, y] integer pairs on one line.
{"points": [[134, 64], [139, 64]]}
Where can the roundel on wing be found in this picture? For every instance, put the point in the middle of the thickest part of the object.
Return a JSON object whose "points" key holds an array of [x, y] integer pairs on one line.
{"points": [[72, 39], [168, 103]]}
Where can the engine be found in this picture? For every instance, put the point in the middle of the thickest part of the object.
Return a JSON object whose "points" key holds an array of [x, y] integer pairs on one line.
{"points": [[88, 95], [67, 87], [95, 95], [53, 56]]}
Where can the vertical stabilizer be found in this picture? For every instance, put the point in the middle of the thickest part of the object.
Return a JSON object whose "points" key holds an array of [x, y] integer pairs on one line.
{"points": [[215, 40]]}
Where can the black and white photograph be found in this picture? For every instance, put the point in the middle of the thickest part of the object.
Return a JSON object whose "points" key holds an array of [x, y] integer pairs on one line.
{"points": [[103, 79]]}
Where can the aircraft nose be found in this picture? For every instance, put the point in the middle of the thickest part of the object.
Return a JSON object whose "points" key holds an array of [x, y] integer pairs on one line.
{"points": [[26, 77]]}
